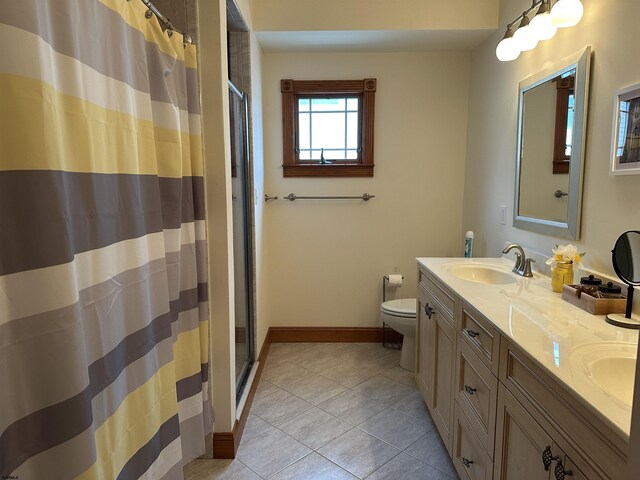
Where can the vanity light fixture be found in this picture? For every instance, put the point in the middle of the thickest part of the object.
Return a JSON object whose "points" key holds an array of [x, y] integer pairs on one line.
{"points": [[525, 32]]}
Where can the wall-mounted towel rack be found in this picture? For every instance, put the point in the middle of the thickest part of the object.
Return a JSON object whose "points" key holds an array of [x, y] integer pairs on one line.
{"points": [[365, 196]]}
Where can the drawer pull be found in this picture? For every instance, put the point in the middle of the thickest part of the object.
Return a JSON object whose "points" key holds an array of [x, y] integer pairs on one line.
{"points": [[470, 390], [428, 310], [466, 462], [560, 472], [547, 458], [471, 333]]}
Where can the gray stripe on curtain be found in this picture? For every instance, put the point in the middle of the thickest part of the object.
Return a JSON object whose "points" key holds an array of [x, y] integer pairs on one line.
{"points": [[147, 455], [88, 210], [95, 22]]}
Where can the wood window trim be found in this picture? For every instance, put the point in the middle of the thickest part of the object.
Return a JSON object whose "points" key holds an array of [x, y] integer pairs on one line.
{"points": [[291, 89], [564, 88]]}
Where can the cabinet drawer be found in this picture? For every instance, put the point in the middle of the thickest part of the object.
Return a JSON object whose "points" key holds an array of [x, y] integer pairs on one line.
{"points": [[477, 393], [469, 456], [586, 439], [480, 335], [444, 297]]}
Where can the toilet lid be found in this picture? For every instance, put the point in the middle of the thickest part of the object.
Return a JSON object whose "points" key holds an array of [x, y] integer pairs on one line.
{"points": [[403, 307]]}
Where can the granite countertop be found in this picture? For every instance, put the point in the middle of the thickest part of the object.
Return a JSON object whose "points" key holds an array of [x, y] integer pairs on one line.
{"points": [[556, 334]]}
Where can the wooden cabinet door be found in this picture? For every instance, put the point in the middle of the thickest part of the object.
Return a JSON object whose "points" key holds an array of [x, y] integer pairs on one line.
{"points": [[520, 443], [443, 361], [424, 335]]}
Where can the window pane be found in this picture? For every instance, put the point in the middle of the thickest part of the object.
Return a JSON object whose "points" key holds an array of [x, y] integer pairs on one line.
{"points": [[568, 140], [303, 104], [352, 154], [352, 104], [327, 130], [303, 130], [305, 155], [352, 130], [334, 155], [327, 104], [315, 154]]}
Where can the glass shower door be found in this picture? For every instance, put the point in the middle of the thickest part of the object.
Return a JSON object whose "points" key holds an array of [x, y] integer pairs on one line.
{"points": [[242, 236]]}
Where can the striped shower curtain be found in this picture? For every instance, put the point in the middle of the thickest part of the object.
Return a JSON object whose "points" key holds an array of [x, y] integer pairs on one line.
{"points": [[103, 270]]}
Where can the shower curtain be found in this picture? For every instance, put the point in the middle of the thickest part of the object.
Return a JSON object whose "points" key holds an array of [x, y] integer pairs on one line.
{"points": [[103, 277]]}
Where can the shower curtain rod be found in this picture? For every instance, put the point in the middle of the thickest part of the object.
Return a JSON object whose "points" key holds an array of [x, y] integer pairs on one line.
{"points": [[165, 21]]}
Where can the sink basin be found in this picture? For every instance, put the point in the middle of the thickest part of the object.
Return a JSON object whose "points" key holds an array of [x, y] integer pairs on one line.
{"points": [[615, 376], [611, 366], [482, 274]]}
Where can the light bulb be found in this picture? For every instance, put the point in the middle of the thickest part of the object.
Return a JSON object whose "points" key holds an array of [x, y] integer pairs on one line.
{"points": [[525, 38], [542, 26], [566, 13], [507, 50]]}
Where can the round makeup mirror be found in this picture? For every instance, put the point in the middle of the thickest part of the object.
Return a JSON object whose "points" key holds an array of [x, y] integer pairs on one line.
{"points": [[626, 262]]}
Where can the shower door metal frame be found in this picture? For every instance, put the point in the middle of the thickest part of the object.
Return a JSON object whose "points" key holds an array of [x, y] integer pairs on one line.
{"points": [[248, 239]]}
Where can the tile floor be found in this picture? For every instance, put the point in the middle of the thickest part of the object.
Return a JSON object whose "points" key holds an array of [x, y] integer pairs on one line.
{"points": [[334, 411]]}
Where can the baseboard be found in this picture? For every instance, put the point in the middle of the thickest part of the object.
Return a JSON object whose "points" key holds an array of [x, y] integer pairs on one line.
{"points": [[325, 334], [225, 444]]}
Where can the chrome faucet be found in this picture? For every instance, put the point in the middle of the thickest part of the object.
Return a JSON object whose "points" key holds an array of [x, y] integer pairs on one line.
{"points": [[523, 264]]}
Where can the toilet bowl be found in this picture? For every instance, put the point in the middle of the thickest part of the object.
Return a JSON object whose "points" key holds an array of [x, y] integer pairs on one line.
{"points": [[401, 316]]}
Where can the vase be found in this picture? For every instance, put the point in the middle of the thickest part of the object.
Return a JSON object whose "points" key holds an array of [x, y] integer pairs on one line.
{"points": [[562, 274]]}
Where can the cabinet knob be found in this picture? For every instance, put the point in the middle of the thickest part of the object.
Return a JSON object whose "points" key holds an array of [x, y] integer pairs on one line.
{"points": [[428, 310], [470, 390], [560, 472], [466, 462], [471, 333]]}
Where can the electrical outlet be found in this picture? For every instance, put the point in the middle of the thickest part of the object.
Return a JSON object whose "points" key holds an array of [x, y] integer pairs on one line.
{"points": [[503, 214]]}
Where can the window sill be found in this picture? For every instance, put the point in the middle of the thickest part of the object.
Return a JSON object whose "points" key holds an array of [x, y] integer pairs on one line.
{"points": [[334, 170]]}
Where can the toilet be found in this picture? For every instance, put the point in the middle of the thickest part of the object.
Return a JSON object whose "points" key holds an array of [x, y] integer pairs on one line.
{"points": [[401, 316]]}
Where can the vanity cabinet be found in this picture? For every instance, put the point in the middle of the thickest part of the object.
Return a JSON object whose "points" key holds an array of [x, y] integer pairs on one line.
{"points": [[436, 354], [497, 410]]}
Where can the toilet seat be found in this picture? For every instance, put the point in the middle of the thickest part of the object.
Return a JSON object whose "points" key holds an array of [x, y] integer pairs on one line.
{"points": [[403, 307]]}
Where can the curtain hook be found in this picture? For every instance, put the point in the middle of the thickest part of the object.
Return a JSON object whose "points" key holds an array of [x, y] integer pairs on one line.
{"points": [[148, 14], [169, 33]]}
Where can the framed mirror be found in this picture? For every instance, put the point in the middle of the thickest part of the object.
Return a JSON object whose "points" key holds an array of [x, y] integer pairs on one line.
{"points": [[552, 114]]}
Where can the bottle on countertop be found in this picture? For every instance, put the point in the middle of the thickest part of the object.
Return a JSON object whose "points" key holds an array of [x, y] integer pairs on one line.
{"points": [[468, 244]]}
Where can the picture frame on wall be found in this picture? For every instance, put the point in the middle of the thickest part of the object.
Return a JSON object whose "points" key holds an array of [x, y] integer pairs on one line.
{"points": [[625, 138]]}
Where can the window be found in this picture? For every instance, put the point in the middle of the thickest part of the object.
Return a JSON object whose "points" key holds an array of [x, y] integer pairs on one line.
{"points": [[328, 127]]}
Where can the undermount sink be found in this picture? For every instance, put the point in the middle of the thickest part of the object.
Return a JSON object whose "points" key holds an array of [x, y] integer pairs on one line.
{"points": [[611, 366], [482, 274]]}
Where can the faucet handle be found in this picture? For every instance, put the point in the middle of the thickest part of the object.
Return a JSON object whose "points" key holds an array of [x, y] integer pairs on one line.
{"points": [[518, 265], [526, 270]]}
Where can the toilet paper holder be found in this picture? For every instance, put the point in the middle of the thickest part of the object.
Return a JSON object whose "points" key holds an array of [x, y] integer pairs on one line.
{"points": [[385, 281]]}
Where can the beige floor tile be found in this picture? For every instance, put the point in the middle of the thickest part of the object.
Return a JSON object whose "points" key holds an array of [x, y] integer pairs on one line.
{"points": [[271, 452], [384, 389], [358, 452], [349, 374], [352, 407], [255, 426], [218, 470], [315, 388], [405, 467], [319, 361], [314, 467], [314, 428], [265, 388], [278, 407], [400, 374], [430, 450], [395, 428], [415, 406], [285, 374]]}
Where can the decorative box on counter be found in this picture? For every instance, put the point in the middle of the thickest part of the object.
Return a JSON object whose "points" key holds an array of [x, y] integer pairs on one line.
{"points": [[589, 300]]}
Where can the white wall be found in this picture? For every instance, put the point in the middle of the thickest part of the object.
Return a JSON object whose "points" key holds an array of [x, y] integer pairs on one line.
{"points": [[324, 260], [611, 204]]}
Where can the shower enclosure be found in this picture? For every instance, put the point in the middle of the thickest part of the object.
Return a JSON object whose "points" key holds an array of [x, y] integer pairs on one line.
{"points": [[242, 235]]}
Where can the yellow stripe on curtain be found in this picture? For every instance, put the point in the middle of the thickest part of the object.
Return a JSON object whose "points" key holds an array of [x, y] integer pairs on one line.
{"points": [[133, 424], [186, 353], [79, 136], [133, 12]]}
